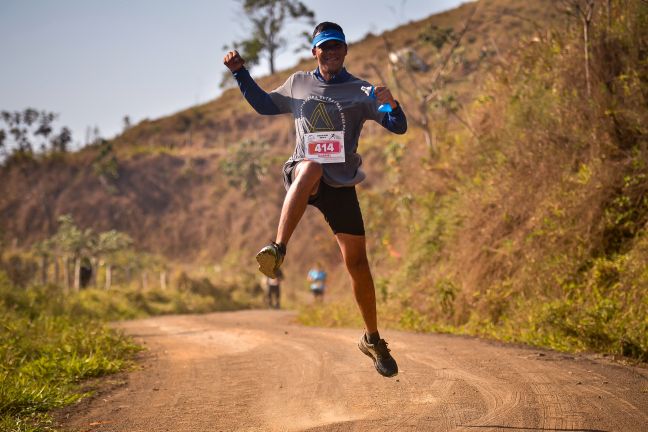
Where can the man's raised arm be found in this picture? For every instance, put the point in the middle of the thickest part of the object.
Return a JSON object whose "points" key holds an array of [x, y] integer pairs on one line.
{"points": [[255, 95], [395, 121]]}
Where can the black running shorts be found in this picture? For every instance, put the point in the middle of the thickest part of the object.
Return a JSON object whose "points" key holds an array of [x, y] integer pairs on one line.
{"points": [[339, 205]]}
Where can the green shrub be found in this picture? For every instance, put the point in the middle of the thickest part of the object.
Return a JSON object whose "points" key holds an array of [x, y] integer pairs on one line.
{"points": [[51, 342], [45, 353]]}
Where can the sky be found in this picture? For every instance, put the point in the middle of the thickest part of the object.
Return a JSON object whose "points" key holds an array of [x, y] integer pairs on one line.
{"points": [[93, 62]]}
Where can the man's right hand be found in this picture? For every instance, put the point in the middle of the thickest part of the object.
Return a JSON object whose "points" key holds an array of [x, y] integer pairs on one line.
{"points": [[233, 61]]}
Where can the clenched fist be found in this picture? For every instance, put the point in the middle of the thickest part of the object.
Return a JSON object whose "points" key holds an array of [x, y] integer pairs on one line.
{"points": [[233, 61], [384, 95]]}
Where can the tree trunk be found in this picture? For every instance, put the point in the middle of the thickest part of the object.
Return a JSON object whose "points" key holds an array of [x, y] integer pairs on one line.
{"points": [[431, 144], [609, 15], [144, 280], [271, 61], [77, 274], [108, 276], [587, 60], [66, 274], [44, 266], [430, 139], [57, 270], [94, 263], [163, 280]]}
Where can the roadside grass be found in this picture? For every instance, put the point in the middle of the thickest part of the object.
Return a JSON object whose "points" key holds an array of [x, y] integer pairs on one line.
{"points": [[50, 341], [601, 325], [45, 354]]}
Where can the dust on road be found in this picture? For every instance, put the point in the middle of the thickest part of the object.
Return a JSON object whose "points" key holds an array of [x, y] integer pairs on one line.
{"points": [[258, 371]]}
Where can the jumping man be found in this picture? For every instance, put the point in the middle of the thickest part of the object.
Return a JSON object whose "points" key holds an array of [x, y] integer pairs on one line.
{"points": [[330, 107]]}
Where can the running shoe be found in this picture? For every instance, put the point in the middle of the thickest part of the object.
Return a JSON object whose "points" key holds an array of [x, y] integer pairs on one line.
{"points": [[379, 353], [270, 258]]}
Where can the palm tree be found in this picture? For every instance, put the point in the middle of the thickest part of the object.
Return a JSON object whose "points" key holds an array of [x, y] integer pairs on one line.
{"points": [[75, 244], [108, 244], [65, 239], [45, 251]]}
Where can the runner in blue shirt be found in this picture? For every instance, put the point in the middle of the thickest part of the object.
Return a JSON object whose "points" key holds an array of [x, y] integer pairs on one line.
{"points": [[317, 279]]}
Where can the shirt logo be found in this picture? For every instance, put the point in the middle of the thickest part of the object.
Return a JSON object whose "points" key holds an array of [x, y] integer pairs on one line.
{"points": [[320, 120], [320, 114]]}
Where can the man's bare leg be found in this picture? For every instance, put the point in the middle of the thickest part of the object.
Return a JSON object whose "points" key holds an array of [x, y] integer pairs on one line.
{"points": [[354, 252], [306, 181], [307, 176]]}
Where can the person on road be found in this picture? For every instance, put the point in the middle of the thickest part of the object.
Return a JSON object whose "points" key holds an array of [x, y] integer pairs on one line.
{"points": [[329, 106], [274, 289], [317, 279]]}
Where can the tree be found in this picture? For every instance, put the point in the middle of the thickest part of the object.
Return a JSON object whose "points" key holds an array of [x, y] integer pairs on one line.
{"points": [[425, 95], [45, 251], [106, 167], [126, 123], [3, 137], [584, 9], [21, 132], [267, 19], [64, 240], [109, 243], [245, 164], [75, 245], [60, 142]]}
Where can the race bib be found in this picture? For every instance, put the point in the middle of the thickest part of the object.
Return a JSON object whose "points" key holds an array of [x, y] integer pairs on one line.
{"points": [[324, 147]]}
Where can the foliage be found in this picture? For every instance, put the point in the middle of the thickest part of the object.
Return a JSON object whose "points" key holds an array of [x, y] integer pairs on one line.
{"points": [[436, 36], [267, 21], [245, 164], [105, 166], [127, 303], [19, 269], [71, 243], [45, 353], [51, 340], [29, 131], [540, 235], [405, 66]]}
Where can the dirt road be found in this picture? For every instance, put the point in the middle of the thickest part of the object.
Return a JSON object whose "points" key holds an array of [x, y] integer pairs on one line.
{"points": [[258, 371]]}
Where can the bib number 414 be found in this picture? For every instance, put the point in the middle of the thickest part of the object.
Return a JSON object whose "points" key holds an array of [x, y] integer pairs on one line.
{"points": [[324, 147]]}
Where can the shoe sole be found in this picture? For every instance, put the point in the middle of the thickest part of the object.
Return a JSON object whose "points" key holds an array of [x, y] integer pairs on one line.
{"points": [[267, 261], [371, 356]]}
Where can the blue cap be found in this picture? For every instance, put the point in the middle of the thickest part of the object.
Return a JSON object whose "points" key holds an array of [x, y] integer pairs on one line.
{"points": [[327, 35]]}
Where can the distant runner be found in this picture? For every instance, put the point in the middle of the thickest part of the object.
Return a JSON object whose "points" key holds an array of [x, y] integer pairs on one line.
{"points": [[329, 106], [274, 289], [317, 279]]}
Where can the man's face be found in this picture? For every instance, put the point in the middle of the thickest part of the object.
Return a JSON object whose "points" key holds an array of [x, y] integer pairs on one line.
{"points": [[330, 56]]}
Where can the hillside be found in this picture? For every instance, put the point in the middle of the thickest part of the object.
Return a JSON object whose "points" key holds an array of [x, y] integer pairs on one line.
{"points": [[520, 214], [169, 192]]}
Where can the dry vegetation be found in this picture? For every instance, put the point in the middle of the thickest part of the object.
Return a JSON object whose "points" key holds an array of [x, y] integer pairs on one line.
{"points": [[538, 231], [522, 216]]}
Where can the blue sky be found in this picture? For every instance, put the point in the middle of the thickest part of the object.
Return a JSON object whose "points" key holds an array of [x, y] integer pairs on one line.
{"points": [[93, 62]]}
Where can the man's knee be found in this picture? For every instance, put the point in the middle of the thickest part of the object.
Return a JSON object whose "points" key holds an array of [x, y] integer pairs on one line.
{"points": [[308, 173], [308, 170], [356, 262]]}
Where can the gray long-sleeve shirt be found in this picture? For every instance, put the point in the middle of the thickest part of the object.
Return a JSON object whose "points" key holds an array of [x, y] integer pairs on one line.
{"points": [[320, 106]]}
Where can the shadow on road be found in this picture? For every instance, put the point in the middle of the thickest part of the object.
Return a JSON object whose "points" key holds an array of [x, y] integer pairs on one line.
{"points": [[534, 428]]}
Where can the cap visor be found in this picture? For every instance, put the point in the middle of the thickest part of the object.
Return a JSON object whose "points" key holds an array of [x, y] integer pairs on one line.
{"points": [[330, 39]]}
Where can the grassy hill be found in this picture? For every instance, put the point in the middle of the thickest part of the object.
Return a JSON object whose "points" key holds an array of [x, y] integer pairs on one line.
{"points": [[515, 206], [163, 181]]}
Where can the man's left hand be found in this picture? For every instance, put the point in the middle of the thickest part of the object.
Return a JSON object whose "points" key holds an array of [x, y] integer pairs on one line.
{"points": [[383, 95]]}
